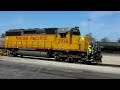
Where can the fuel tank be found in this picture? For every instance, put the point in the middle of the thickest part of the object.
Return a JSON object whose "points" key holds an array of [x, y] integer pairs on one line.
{"points": [[33, 53]]}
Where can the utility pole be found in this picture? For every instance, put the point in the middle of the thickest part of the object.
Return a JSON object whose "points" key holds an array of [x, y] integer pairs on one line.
{"points": [[118, 37]]}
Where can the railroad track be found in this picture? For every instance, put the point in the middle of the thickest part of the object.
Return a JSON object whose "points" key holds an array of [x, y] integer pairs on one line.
{"points": [[52, 59], [109, 65]]}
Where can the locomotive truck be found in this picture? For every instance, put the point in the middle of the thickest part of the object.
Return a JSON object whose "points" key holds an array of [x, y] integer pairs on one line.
{"points": [[60, 43]]}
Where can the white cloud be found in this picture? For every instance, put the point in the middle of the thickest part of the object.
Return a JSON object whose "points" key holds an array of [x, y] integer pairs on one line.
{"points": [[97, 15], [99, 27]]}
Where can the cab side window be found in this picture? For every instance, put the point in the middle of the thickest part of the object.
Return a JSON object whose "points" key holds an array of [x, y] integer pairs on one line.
{"points": [[63, 35]]}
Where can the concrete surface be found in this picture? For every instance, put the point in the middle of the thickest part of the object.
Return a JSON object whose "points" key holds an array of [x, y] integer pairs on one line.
{"points": [[111, 59], [11, 70], [15, 70], [63, 64], [16, 67]]}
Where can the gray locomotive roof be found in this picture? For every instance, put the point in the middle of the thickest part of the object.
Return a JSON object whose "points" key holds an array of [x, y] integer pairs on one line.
{"points": [[14, 30], [59, 30], [63, 30]]}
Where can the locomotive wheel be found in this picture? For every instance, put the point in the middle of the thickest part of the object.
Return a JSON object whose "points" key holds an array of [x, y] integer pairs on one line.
{"points": [[57, 58], [83, 61], [71, 60], [14, 54], [8, 53], [100, 61], [63, 59], [21, 56], [76, 60]]}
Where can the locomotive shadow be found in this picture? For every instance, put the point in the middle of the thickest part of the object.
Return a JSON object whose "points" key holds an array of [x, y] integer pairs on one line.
{"points": [[52, 59], [38, 58]]}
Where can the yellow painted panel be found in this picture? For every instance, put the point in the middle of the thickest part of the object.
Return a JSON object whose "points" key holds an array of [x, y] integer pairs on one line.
{"points": [[45, 41], [14, 43], [28, 44], [48, 44], [9, 44], [18, 44], [35, 44], [24, 44]]}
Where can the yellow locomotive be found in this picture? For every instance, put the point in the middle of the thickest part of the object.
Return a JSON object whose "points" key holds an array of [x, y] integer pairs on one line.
{"points": [[61, 43]]}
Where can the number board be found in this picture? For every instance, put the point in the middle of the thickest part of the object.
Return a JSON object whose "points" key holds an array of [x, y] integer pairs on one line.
{"points": [[63, 41]]}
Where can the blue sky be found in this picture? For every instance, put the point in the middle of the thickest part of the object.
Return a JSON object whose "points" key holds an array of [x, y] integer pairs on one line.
{"points": [[102, 24]]}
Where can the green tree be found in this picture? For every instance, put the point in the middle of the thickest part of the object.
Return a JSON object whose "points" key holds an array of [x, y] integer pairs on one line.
{"points": [[92, 39], [105, 39], [2, 35]]}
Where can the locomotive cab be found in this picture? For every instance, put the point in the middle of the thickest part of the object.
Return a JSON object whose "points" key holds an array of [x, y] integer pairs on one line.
{"points": [[75, 31]]}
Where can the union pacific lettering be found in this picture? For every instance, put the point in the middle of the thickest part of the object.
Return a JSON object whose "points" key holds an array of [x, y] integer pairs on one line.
{"points": [[32, 38], [18, 38], [21, 38], [25, 38], [38, 38]]}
